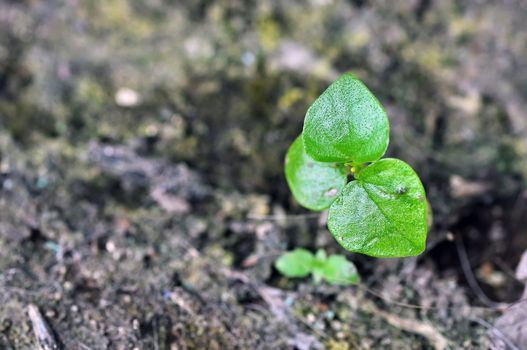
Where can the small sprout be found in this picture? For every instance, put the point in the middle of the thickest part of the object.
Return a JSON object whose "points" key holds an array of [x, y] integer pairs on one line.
{"points": [[335, 269], [347, 130]]}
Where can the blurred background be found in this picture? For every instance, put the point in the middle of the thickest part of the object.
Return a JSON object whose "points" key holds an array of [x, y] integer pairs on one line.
{"points": [[142, 196]]}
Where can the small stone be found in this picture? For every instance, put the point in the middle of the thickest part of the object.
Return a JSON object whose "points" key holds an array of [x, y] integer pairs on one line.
{"points": [[310, 318], [521, 270], [110, 246], [126, 97], [68, 286]]}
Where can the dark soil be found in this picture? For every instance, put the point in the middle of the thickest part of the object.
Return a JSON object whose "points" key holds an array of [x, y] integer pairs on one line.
{"points": [[142, 198]]}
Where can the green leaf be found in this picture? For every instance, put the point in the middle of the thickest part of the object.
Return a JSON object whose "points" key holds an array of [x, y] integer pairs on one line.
{"points": [[338, 270], [382, 213], [346, 123], [315, 185], [297, 263]]}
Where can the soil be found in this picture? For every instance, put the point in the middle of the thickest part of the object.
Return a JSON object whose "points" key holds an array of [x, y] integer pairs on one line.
{"points": [[142, 198]]}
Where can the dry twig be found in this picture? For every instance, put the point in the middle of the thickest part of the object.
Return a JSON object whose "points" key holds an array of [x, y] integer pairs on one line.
{"points": [[414, 326], [43, 333]]}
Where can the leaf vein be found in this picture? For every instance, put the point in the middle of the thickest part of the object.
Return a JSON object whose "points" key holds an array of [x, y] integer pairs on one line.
{"points": [[390, 221]]}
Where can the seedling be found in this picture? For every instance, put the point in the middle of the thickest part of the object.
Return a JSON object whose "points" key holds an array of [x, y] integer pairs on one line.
{"points": [[382, 212], [335, 269]]}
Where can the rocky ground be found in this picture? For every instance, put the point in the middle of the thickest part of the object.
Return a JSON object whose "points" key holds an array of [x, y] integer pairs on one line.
{"points": [[142, 198]]}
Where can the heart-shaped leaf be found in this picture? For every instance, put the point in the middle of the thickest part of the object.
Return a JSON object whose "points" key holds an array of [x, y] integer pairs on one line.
{"points": [[335, 269], [346, 123], [338, 270], [315, 185], [297, 263], [382, 213]]}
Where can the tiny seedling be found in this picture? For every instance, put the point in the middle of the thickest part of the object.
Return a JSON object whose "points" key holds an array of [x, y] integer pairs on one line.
{"points": [[382, 212], [335, 269]]}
